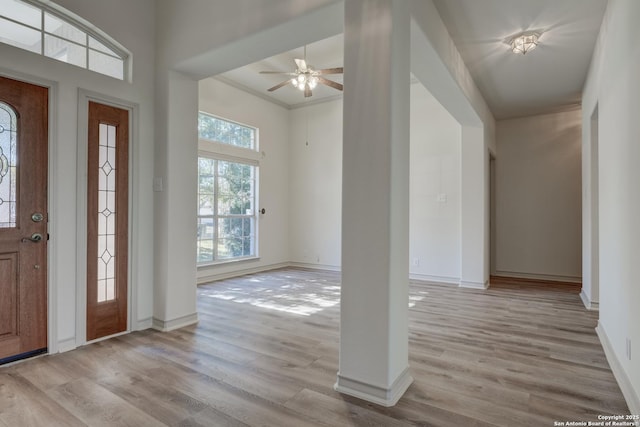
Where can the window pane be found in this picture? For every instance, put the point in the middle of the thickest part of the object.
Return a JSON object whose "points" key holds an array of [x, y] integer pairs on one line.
{"points": [[206, 204], [205, 251], [230, 228], [96, 45], [230, 248], [205, 240], [8, 166], [63, 29], [19, 36], [105, 64], [106, 213], [65, 51], [21, 12], [205, 228], [215, 129], [247, 227]]}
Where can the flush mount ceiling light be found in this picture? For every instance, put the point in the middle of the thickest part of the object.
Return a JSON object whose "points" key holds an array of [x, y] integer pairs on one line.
{"points": [[524, 42]]}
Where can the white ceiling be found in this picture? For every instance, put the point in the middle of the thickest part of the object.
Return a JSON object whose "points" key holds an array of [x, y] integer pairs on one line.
{"points": [[545, 79], [327, 53], [548, 78]]}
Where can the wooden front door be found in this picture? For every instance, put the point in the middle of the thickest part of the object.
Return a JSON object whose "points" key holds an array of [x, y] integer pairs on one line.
{"points": [[107, 220], [23, 219]]}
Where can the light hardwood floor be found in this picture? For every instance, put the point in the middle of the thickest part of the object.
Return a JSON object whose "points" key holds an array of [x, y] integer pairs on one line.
{"points": [[265, 353]]}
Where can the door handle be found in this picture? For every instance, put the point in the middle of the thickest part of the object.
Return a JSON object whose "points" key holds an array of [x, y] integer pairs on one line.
{"points": [[35, 237]]}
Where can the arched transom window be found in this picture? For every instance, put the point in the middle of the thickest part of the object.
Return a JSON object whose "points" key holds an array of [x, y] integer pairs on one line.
{"points": [[47, 30]]}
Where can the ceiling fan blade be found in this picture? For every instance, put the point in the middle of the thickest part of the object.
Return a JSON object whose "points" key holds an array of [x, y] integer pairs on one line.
{"points": [[307, 91], [331, 83], [301, 64], [337, 70], [279, 85], [278, 72]]}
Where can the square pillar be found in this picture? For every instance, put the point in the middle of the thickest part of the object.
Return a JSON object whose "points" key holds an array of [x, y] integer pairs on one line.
{"points": [[375, 202], [175, 182], [474, 260]]}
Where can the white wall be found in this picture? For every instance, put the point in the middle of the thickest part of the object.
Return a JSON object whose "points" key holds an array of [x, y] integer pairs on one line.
{"points": [[435, 190], [538, 197], [272, 121], [316, 185], [132, 24], [613, 86], [436, 62]]}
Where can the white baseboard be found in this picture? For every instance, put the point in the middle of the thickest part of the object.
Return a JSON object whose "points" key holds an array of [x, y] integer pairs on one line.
{"points": [[535, 276], [373, 393], [144, 324], [321, 267], [630, 395], [67, 345], [170, 325], [474, 285], [589, 305], [206, 278], [434, 279]]}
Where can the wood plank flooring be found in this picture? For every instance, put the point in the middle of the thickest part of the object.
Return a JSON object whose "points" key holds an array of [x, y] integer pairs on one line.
{"points": [[265, 353]]}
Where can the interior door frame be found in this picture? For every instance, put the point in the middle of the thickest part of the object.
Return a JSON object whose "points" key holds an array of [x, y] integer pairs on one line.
{"points": [[52, 189], [84, 96]]}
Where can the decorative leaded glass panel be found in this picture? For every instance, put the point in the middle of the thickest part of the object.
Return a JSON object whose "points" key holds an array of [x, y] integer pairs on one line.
{"points": [[107, 213], [8, 165]]}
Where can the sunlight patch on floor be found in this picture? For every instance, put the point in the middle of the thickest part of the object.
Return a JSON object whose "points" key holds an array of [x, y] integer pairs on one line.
{"points": [[289, 298], [413, 299]]}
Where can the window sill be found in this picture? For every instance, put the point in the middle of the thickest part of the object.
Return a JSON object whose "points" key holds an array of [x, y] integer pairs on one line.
{"points": [[228, 262]]}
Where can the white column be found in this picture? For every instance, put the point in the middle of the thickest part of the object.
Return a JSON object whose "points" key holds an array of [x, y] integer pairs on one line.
{"points": [[475, 210], [175, 201], [590, 218], [375, 202]]}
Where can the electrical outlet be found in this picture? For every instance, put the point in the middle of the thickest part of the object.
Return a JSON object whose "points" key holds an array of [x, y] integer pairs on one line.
{"points": [[415, 262], [629, 348]]}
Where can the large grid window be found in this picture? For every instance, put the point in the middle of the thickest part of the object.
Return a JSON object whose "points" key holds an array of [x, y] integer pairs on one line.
{"points": [[227, 182], [226, 210], [44, 30]]}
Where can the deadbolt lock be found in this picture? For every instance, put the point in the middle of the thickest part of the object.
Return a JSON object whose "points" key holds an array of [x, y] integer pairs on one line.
{"points": [[37, 217]]}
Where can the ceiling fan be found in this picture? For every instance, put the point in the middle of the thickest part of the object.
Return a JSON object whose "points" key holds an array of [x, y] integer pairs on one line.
{"points": [[305, 77]]}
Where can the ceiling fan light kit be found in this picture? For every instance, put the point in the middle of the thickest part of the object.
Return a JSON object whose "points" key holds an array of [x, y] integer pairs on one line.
{"points": [[306, 78], [303, 80], [525, 42]]}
